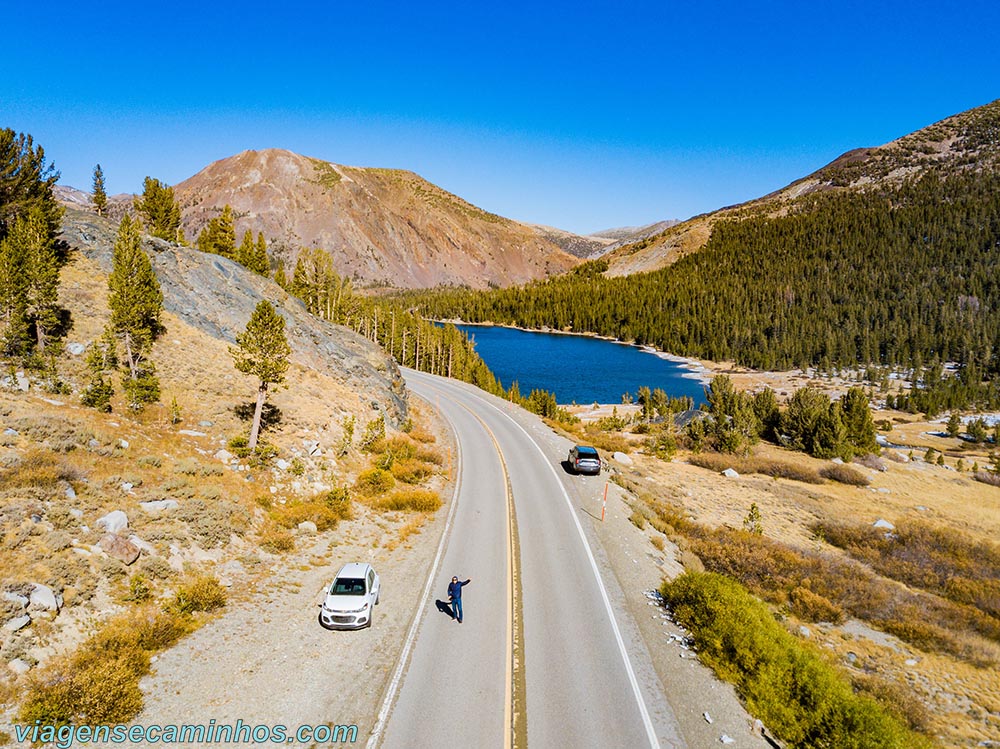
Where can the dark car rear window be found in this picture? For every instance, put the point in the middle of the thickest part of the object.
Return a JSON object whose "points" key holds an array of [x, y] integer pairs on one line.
{"points": [[586, 452]]}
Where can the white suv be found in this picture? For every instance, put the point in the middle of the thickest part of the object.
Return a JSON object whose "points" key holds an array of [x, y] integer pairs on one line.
{"points": [[350, 598]]}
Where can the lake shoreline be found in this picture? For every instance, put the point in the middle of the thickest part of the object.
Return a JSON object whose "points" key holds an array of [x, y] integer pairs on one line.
{"points": [[697, 369]]}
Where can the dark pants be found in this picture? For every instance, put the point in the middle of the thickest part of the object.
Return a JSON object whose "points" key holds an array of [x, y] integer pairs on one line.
{"points": [[456, 606]]}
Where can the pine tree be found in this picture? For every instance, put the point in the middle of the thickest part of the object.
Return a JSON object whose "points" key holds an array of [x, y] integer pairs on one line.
{"points": [[136, 302], [26, 182], [219, 235], [160, 210], [279, 276], [99, 197], [858, 422], [260, 262], [262, 351], [29, 286], [244, 253], [103, 357]]}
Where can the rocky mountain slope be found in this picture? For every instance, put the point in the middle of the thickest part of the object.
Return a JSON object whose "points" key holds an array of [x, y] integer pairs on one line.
{"points": [[214, 297], [382, 226], [966, 141]]}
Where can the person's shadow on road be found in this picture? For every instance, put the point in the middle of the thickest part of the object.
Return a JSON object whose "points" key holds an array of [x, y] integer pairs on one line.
{"points": [[444, 608]]}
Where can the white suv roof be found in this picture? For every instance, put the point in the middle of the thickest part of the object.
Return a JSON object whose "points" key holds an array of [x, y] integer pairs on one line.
{"points": [[354, 569]]}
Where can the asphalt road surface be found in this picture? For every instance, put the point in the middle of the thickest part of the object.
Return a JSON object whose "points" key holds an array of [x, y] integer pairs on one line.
{"points": [[560, 662]]}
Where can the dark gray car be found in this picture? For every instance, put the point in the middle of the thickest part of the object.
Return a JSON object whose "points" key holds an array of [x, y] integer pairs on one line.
{"points": [[583, 459]]}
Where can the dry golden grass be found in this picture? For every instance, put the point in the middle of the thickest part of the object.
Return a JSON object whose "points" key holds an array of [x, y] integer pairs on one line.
{"points": [[960, 697], [410, 528]]}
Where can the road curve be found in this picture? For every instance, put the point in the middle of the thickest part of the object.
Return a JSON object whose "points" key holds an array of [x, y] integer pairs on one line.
{"points": [[589, 681]]}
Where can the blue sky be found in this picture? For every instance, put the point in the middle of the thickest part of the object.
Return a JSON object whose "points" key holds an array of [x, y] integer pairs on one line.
{"points": [[583, 115]]}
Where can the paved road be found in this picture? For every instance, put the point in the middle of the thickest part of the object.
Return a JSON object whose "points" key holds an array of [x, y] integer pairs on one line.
{"points": [[587, 673]]}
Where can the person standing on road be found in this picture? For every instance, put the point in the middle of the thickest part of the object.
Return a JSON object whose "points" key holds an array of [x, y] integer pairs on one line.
{"points": [[455, 594]]}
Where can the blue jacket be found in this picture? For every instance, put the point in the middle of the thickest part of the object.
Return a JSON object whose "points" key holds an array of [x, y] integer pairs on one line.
{"points": [[455, 589]]}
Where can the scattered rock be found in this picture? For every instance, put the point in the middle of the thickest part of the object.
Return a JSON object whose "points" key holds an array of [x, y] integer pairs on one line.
{"points": [[17, 623], [19, 666], [158, 505], [119, 548], [622, 458], [75, 512], [70, 493], [883, 525], [312, 447], [127, 486], [724, 739], [75, 348], [838, 461], [17, 598], [43, 597], [730, 473], [224, 455], [142, 545], [281, 464], [22, 382], [191, 433], [707, 717], [307, 526], [114, 521], [123, 444], [804, 631], [93, 443], [206, 423], [8, 432]]}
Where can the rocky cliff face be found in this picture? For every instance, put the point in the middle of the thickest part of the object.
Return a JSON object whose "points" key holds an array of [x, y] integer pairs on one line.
{"points": [[382, 226], [216, 296]]}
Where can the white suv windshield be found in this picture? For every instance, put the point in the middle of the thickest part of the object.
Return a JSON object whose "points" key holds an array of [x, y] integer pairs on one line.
{"points": [[348, 586]]}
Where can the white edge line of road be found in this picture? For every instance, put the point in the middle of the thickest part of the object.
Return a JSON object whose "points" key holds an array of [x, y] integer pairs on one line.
{"points": [[646, 720], [404, 657]]}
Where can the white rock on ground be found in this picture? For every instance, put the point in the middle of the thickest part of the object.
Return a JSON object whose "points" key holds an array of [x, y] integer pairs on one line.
{"points": [[18, 622], [43, 597], [730, 473], [114, 521]]}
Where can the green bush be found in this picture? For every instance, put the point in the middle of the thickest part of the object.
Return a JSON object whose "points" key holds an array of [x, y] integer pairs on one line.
{"points": [[804, 700], [375, 481]]}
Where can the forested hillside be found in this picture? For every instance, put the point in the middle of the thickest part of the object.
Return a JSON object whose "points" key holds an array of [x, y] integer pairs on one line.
{"points": [[900, 274]]}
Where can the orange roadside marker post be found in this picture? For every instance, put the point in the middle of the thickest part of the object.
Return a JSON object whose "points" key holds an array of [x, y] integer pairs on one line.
{"points": [[604, 504]]}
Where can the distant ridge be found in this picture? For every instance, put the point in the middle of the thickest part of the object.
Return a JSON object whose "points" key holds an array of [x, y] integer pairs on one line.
{"points": [[966, 141]]}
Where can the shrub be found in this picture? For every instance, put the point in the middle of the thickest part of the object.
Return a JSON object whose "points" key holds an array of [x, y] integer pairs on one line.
{"points": [[38, 469], [199, 593], [339, 502], [411, 471], [987, 477], [373, 439], [410, 500], [773, 468], [290, 515], [375, 481], [802, 698], [276, 539], [813, 607], [844, 475], [871, 461], [99, 683]]}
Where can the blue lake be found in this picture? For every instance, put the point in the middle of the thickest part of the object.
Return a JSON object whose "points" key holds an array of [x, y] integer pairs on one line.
{"points": [[578, 369]]}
